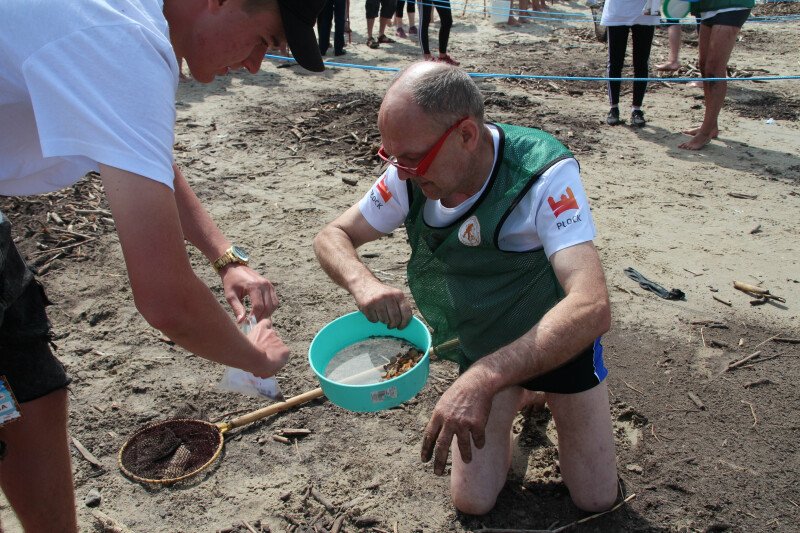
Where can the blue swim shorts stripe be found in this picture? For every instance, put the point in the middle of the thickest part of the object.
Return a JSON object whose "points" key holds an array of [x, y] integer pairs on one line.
{"points": [[583, 372], [600, 370]]}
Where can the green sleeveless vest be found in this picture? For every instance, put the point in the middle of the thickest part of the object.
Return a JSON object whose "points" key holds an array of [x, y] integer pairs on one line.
{"points": [[476, 292]]}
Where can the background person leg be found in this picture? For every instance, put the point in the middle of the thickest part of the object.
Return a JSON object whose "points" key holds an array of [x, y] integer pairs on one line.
{"points": [[713, 64], [675, 34], [617, 44]]}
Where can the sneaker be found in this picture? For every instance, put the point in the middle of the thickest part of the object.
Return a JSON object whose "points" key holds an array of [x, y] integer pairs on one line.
{"points": [[612, 119], [340, 53], [637, 118], [372, 43], [400, 32], [449, 60], [383, 39], [412, 31]]}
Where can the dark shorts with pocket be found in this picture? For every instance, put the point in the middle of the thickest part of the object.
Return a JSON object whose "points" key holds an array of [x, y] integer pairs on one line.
{"points": [[26, 359]]}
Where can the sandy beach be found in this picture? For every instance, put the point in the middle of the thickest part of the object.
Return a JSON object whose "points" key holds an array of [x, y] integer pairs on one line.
{"points": [[276, 155]]}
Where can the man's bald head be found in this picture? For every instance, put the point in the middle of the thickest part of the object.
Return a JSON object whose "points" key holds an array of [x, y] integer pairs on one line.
{"points": [[442, 92]]}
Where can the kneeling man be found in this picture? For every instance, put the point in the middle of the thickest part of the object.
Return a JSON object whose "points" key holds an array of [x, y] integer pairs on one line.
{"points": [[502, 259]]}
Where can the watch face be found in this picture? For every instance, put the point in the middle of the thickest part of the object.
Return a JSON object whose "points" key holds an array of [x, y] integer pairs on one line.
{"points": [[240, 253]]}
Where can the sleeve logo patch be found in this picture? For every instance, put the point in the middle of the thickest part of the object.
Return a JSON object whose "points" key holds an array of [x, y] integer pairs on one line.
{"points": [[565, 203], [470, 232], [383, 190]]}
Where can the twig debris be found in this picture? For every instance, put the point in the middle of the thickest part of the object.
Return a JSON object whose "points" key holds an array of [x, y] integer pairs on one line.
{"points": [[753, 412], [697, 401]]}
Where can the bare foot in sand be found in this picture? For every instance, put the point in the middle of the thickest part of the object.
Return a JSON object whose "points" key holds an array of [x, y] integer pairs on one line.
{"points": [[696, 143], [512, 22], [691, 132], [669, 67]]}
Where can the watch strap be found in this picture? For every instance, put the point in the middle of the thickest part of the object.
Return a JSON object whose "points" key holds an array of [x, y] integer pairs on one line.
{"points": [[225, 259]]}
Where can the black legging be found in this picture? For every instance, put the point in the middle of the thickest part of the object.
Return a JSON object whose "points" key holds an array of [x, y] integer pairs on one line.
{"points": [[333, 11], [617, 43], [446, 21], [411, 6]]}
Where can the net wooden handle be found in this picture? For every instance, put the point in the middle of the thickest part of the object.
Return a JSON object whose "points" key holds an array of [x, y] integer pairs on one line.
{"points": [[305, 397], [274, 408], [446, 345]]}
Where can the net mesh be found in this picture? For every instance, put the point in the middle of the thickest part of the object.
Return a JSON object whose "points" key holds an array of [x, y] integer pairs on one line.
{"points": [[476, 292], [170, 449]]}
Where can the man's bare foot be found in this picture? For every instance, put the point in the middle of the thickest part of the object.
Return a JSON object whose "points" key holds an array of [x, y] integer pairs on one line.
{"points": [[696, 143], [531, 402], [512, 22], [691, 132], [669, 66]]}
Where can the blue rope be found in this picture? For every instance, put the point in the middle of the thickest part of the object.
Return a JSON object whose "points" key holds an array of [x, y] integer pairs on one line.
{"points": [[578, 17], [541, 77]]}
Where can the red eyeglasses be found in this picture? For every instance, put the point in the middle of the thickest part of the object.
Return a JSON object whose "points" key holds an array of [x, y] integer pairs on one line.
{"points": [[426, 161]]}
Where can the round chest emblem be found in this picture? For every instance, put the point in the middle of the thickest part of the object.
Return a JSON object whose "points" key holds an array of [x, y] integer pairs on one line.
{"points": [[470, 232]]}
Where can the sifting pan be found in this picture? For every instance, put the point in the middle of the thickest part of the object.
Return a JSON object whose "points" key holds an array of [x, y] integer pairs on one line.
{"points": [[169, 451], [173, 450]]}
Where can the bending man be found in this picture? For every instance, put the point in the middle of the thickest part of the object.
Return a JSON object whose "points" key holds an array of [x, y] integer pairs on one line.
{"points": [[501, 258], [90, 86]]}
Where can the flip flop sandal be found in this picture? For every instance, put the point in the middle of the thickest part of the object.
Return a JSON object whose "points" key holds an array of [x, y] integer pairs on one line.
{"points": [[674, 294], [372, 43], [385, 40]]}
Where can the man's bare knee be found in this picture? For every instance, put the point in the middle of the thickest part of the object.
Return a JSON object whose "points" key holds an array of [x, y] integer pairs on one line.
{"points": [[595, 501], [716, 70], [474, 504]]}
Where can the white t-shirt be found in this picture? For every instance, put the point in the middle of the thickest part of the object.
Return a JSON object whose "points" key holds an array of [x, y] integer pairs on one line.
{"points": [[554, 214], [627, 13], [82, 83]]}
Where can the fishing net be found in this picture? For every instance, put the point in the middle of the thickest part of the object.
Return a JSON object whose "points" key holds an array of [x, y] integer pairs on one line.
{"points": [[170, 450]]}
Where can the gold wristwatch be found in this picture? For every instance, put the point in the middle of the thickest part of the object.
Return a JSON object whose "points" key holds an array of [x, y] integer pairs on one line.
{"points": [[234, 254]]}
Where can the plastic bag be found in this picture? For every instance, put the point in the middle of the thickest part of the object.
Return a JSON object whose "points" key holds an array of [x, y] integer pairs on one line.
{"points": [[241, 381]]}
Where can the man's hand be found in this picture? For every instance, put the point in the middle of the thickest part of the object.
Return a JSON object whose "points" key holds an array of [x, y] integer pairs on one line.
{"points": [[382, 303], [239, 281], [267, 340], [462, 411]]}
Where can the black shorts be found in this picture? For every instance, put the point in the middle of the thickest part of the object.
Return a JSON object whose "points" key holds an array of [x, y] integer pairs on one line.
{"points": [[728, 18], [26, 360], [580, 374], [383, 7], [25, 356]]}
